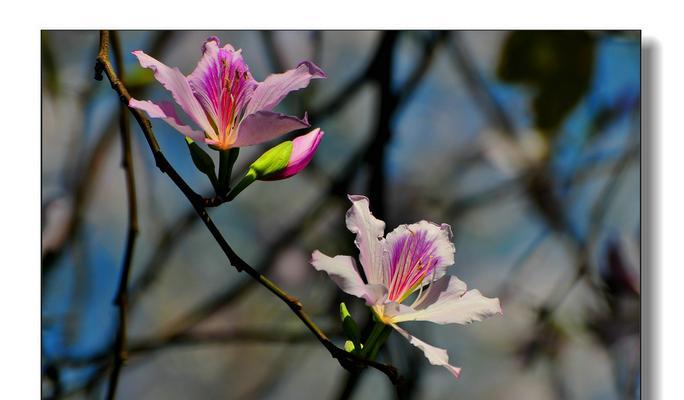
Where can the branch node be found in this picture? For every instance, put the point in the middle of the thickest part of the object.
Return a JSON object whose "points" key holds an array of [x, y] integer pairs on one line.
{"points": [[99, 68]]}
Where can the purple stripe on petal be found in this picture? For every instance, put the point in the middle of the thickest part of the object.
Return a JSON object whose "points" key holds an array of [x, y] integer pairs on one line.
{"points": [[222, 84], [416, 254]]}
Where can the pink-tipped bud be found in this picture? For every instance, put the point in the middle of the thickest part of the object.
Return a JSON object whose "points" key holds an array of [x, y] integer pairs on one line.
{"points": [[303, 149]]}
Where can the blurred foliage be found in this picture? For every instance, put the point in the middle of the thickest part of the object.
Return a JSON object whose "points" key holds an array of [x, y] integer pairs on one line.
{"points": [[557, 65]]}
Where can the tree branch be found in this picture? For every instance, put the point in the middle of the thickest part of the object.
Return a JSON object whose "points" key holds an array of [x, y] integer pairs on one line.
{"points": [[121, 300], [347, 360]]}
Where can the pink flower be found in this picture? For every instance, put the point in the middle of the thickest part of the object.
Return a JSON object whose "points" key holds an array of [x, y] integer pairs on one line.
{"points": [[410, 258], [228, 107]]}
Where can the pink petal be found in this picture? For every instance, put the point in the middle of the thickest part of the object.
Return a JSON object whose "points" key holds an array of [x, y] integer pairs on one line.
{"points": [[435, 355], [175, 82], [263, 126], [417, 255], [447, 302], [166, 111], [303, 149], [271, 91], [369, 232], [342, 270]]}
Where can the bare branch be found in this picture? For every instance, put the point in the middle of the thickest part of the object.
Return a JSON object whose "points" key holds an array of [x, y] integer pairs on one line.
{"points": [[121, 300]]}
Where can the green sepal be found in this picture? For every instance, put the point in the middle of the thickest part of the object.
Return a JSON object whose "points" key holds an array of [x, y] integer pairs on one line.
{"points": [[202, 161], [349, 327], [273, 160]]}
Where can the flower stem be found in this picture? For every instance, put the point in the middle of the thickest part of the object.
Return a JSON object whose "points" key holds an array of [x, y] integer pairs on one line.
{"points": [[375, 340], [226, 161], [246, 181]]}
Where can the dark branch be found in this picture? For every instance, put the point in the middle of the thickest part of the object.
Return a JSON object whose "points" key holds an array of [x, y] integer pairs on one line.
{"points": [[121, 300]]}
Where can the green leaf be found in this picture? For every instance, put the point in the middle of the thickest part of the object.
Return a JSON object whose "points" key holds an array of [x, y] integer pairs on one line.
{"points": [[202, 161]]}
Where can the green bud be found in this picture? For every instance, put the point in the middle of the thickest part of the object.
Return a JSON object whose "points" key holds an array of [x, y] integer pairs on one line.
{"points": [[349, 327], [202, 161], [349, 346], [273, 160]]}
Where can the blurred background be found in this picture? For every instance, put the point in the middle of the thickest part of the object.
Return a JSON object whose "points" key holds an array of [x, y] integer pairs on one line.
{"points": [[526, 143]]}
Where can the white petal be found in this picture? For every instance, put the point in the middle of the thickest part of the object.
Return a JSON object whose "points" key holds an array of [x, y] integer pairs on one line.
{"points": [[342, 270], [369, 232], [435, 355], [447, 302]]}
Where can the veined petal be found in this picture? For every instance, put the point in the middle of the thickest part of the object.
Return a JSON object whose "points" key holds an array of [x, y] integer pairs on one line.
{"points": [[166, 111], [176, 83], [274, 88], [342, 270], [435, 355], [369, 232], [446, 302], [263, 126], [416, 255]]}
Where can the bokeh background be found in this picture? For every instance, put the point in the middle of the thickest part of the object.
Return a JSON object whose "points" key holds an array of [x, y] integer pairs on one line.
{"points": [[526, 143]]}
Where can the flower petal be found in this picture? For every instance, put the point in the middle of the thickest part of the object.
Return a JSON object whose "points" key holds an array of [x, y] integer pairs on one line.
{"points": [[342, 270], [446, 302], [263, 126], [274, 88], [303, 149], [176, 83], [416, 255], [435, 355], [166, 111], [369, 232]]}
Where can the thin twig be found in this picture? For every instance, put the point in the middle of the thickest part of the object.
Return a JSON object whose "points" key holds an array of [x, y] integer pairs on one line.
{"points": [[121, 300], [347, 360]]}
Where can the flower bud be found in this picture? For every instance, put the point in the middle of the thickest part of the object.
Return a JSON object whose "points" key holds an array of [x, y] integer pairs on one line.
{"points": [[349, 327], [302, 151], [281, 161]]}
